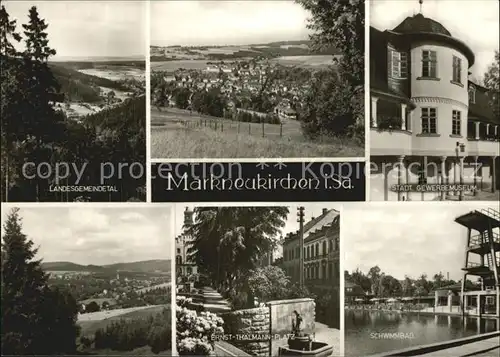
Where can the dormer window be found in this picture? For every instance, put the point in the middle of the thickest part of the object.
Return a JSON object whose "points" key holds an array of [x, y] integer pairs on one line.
{"points": [[472, 95], [429, 64], [399, 64]]}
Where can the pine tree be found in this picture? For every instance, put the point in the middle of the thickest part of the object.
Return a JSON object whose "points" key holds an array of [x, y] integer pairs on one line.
{"points": [[35, 318], [7, 31], [42, 88], [22, 283], [10, 103]]}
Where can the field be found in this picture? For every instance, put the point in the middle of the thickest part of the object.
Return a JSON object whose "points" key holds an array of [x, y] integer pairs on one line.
{"points": [[173, 65], [301, 61], [305, 61], [179, 134], [105, 315], [103, 318], [159, 286], [115, 73]]}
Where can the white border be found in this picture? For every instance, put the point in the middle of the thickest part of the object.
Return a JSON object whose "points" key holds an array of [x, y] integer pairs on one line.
{"points": [[259, 160], [342, 281], [148, 102], [367, 100], [173, 291]]}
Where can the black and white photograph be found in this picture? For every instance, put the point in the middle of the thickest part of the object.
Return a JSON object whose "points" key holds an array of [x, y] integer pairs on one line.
{"points": [[85, 281], [258, 280], [251, 79], [73, 101], [422, 279], [434, 99]]}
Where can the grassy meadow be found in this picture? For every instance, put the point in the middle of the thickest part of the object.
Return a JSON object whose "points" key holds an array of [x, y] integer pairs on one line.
{"points": [[177, 133], [89, 327]]}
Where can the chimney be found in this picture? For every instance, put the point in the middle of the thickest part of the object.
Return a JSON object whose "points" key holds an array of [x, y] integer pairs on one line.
{"points": [[325, 210], [188, 217]]}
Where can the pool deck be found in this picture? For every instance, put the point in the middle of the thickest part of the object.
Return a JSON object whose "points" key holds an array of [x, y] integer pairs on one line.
{"points": [[486, 344], [489, 347]]}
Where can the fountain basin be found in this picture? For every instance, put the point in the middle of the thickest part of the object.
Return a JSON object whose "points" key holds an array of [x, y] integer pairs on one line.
{"points": [[318, 349]]}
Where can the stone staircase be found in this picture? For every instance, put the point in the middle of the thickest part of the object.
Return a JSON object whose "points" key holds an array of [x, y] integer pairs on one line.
{"points": [[210, 300]]}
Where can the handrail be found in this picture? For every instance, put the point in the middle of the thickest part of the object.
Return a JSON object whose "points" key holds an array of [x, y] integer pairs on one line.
{"points": [[492, 213], [477, 239]]}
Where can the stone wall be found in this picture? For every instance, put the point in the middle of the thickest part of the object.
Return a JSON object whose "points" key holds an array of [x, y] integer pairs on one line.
{"points": [[261, 331], [281, 316], [248, 330]]}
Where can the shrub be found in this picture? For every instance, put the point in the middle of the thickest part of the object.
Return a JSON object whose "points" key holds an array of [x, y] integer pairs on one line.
{"points": [[195, 331], [127, 335], [331, 106], [194, 347], [269, 283], [183, 301], [239, 300], [328, 308]]}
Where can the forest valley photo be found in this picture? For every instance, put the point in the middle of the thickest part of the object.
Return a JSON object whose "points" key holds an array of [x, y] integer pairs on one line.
{"points": [[80, 114]]}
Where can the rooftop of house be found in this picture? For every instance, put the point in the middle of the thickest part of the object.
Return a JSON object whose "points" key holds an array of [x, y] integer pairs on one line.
{"points": [[420, 23], [480, 108], [350, 284], [469, 286], [327, 219]]}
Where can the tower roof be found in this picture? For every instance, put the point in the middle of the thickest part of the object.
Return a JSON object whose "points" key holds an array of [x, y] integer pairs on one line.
{"points": [[419, 27], [420, 23]]}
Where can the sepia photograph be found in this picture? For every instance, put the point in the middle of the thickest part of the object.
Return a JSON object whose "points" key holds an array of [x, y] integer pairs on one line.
{"points": [[251, 79], [422, 280], [73, 101], [258, 280], [85, 281], [434, 99]]}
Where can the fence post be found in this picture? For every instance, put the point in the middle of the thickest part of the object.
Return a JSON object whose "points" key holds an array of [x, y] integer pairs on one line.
{"points": [[281, 130], [249, 129], [238, 127], [263, 133], [222, 125], [215, 125]]}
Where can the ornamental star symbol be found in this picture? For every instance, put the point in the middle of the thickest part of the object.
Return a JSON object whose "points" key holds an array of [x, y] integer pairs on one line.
{"points": [[262, 165]]}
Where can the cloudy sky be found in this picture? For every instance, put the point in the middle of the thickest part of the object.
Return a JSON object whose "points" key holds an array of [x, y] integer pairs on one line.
{"points": [[311, 210], [194, 23], [476, 22], [410, 239], [98, 235], [89, 28]]}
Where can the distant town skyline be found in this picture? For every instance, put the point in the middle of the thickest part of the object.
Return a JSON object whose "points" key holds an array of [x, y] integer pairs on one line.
{"points": [[97, 236], [475, 22], [406, 239], [226, 23], [88, 29]]}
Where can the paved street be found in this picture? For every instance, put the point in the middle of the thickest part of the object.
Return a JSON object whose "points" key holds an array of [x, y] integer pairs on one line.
{"points": [[329, 335]]}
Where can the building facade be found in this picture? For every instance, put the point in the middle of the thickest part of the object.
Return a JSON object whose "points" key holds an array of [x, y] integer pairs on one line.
{"points": [[321, 252], [183, 265], [429, 122]]}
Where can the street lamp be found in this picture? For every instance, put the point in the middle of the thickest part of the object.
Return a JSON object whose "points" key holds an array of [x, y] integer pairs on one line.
{"points": [[300, 219], [460, 152]]}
